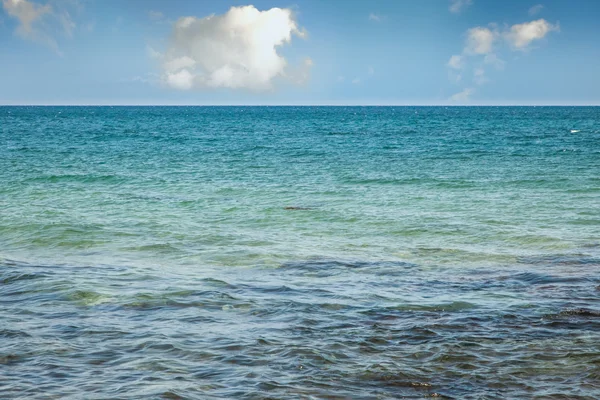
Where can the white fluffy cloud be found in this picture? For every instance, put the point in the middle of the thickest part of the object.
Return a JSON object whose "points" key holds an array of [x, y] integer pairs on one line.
{"points": [[183, 79], [480, 40], [457, 6], [38, 22], [521, 35], [482, 45], [236, 50]]}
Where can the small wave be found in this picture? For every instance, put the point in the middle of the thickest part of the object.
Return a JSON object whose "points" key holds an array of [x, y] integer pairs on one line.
{"points": [[561, 260], [327, 264], [533, 278], [208, 300], [454, 306], [78, 178], [324, 268], [341, 133], [12, 277], [217, 283], [11, 333], [382, 181], [155, 247]]}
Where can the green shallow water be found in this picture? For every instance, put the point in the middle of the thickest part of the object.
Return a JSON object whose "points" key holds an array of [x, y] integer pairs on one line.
{"points": [[312, 252]]}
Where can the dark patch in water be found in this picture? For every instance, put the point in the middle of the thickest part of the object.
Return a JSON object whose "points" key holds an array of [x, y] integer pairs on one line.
{"points": [[16, 277], [9, 359], [561, 260], [581, 312], [9, 333], [455, 306], [326, 264]]}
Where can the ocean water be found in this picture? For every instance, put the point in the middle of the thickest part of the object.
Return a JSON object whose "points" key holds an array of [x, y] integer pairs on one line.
{"points": [[300, 252]]}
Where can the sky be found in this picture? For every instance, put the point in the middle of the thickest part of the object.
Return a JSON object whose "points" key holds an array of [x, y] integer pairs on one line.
{"points": [[300, 52]]}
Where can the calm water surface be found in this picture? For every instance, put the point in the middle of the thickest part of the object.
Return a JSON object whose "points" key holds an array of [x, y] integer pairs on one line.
{"points": [[313, 252]]}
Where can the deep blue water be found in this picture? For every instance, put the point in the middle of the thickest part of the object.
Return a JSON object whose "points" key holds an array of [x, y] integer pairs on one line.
{"points": [[300, 252]]}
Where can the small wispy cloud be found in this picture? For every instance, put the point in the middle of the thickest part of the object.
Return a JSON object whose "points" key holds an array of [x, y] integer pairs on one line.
{"points": [[300, 74], [371, 71], [454, 76], [89, 26], [535, 10], [27, 13], [493, 60], [116, 27], [41, 22], [152, 53], [455, 62], [479, 76], [355, 81], [375, 17], [457, 6], [149, 78], [155, 15], [463, 96], [158, 17]]}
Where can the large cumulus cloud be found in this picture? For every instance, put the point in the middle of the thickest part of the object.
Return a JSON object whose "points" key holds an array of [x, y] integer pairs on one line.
{"points": [[235, 50]]}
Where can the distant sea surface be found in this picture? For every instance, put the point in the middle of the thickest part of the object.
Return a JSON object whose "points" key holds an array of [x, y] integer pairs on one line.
{"points": [[300, 252]]}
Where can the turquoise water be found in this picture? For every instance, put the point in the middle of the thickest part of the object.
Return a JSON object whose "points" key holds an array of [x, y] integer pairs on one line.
{"points": [[299, 252]]}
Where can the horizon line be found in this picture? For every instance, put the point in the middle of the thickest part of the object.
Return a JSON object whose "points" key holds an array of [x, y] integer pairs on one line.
{"points": [[296, 105]]}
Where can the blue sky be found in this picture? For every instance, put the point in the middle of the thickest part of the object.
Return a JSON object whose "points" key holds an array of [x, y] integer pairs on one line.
{"points": [[299, 52]]}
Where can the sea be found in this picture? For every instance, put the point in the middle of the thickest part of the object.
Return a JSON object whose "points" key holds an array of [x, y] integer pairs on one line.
{"points": [[299, 252]]}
